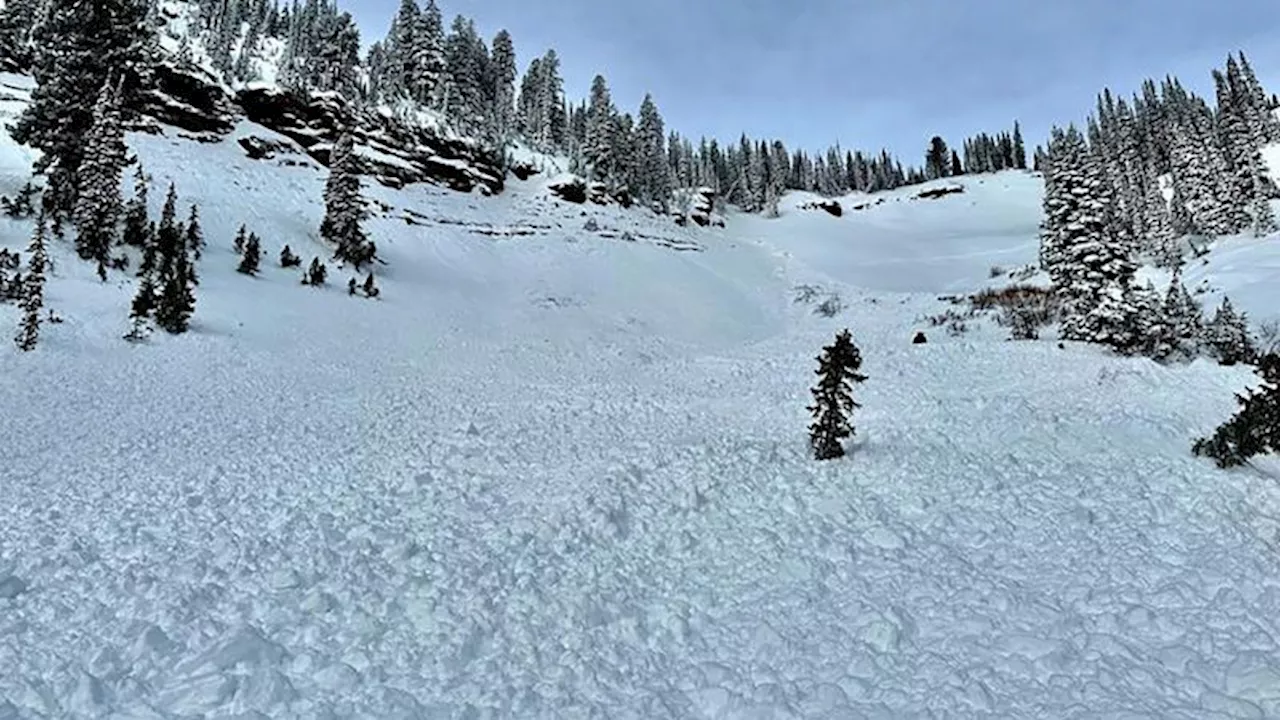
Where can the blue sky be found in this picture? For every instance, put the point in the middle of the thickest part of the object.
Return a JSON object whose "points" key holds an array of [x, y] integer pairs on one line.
{"points": [[871, 74]]}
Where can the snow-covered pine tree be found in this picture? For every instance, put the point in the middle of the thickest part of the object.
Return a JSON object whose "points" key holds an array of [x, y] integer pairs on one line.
{"points": [[288, 258], [1255, 429], [1180, 220], [428, 54], [462, 97], [98, 205], [17, 24], [1198, 173], [78, 45], [654, 178], [1268, 124], [1090, 268], [1228, 336], [344, 207], [599, 147], [402, 51], [1184, 320], [31, 301], [1237, 139], [1161, 241], [839, 366], [503, 63]]}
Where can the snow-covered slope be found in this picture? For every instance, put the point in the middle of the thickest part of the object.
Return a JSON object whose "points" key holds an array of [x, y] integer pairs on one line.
{"points": [[556, 473]]}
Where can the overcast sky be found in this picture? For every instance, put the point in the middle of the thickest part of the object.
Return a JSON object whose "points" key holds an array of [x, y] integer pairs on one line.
{"points": [[871, 73]]}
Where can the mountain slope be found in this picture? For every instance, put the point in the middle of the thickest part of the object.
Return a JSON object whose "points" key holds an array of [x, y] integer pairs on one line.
{"points": [[555, 473]]}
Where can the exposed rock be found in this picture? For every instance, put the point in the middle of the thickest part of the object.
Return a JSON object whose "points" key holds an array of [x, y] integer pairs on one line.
{"points": [[523, 169], [569, 188], [187, 97], [832, 207], [387, 148], [935, 193], [260, 148], [702, 209]]}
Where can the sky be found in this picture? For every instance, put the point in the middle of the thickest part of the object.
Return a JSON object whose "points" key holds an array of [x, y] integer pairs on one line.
{"points": [[871, 74]]}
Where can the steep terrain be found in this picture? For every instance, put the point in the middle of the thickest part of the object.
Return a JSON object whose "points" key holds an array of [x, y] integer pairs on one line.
{"points": [[562, 472]]}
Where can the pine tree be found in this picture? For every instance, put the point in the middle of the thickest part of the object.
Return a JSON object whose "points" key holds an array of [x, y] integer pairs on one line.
{"points": [[1184, 320], [344, 208], [17, 23], [252, 256], [32, 300], [1228, 335], [654, 175], [136, 224], [194, 235], [833, 403], [428, 52], [79, 45], [288, 259], [504, 85], [242, 237], [98, 205], [1255, 429], [370, 290], [937, 159], [598, 151], [316, 274], [175, 302], [1019, 149]]}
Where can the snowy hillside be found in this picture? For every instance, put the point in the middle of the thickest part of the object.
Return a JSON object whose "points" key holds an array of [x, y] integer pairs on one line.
{"points": [[560, 472]]}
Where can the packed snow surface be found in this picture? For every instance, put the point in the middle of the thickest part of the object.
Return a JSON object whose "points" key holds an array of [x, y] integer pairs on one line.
{"points": [[556, 473]]}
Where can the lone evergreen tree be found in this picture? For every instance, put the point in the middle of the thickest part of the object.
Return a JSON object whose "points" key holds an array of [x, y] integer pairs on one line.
{"points": [[252, 256], [833, 402], [288, 259], [242, 237], [370, 290], [344, 208], [1255, 429], [32, 299]]}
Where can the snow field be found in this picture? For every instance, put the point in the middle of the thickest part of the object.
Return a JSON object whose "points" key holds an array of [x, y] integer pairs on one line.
{"points": [[563, 475]]}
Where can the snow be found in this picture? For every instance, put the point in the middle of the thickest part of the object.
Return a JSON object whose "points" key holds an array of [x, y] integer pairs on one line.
{"points": [[562, 475]]}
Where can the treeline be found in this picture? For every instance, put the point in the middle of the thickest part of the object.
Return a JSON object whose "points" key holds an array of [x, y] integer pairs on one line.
{"points": [[1106, 210]]}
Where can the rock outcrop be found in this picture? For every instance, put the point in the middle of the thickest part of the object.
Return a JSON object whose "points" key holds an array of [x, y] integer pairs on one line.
{"points": [[394, 152], [187, 97], [831, 207]]}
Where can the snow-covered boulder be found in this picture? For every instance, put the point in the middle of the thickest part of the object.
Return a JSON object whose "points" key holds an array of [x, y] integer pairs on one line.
{"points": [[934, 193]]}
